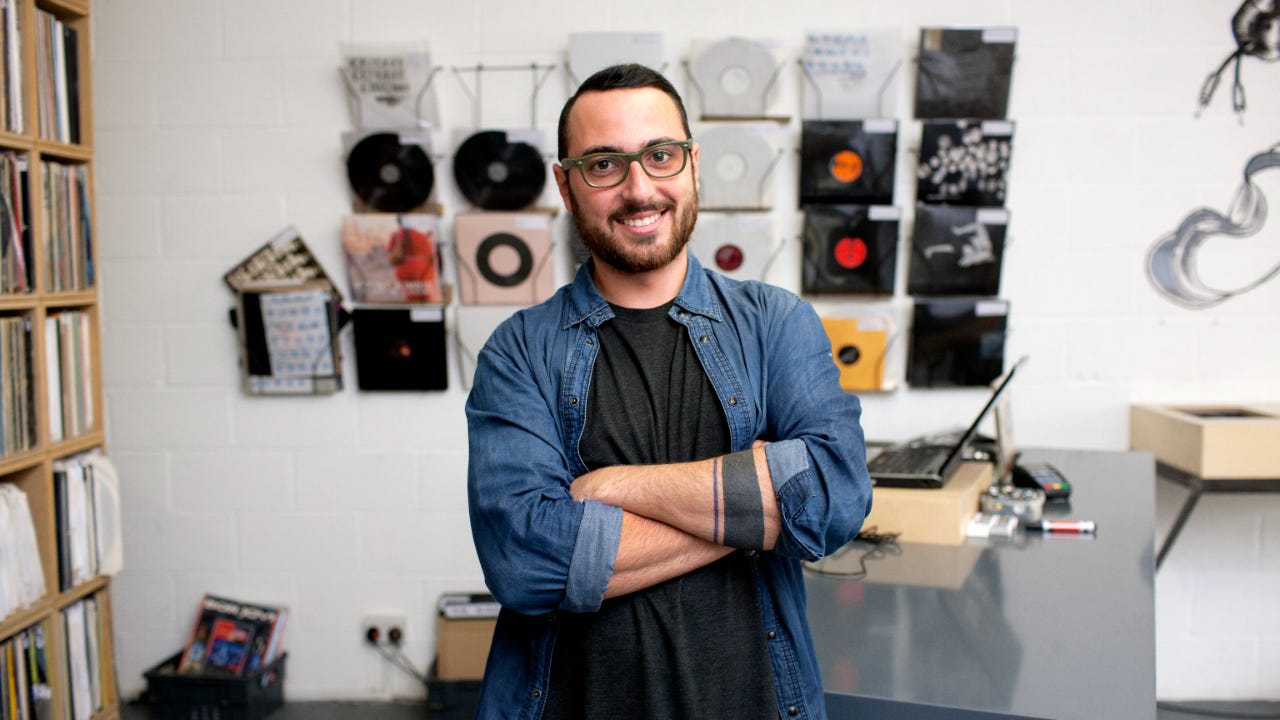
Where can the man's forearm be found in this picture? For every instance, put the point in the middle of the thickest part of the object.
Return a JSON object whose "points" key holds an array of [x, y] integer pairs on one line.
{"points": [[728, 500], [651, 552]]}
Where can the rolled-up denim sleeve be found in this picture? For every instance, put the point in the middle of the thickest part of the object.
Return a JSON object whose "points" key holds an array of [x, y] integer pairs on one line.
{"points": [[818, 462], [540, 550]]}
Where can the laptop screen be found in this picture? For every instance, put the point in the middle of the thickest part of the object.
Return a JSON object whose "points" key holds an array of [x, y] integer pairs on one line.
{"points": [[957, 450]]}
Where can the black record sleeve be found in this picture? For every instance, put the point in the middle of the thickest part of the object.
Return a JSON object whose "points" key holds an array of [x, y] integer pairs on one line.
{"points": [[400, 348], [850, 249], [498, 172], [965, 73], [964, 162], [848, 161], [957, 342], [956, 250]]}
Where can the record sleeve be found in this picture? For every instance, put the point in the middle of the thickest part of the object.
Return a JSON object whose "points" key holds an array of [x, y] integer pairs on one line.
{"points": [[740, 246], [850, 249], [848, 161], [956, 250], [965, 73], [957, 342], [590, 52], [504, 258], [283, 258], [858, 347], [852, 74], [392, 258], [288, 339], [735, 77], [735, 166], [389, 86], [400, 348], [390, 171], [497, 170], [964, 162]]}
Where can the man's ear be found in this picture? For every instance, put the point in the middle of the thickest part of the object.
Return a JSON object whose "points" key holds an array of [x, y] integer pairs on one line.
{"points": [[562, 182], [697, 178]]}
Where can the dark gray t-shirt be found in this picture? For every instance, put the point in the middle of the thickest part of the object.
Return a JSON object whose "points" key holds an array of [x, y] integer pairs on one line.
{"points": [[691, 647]]}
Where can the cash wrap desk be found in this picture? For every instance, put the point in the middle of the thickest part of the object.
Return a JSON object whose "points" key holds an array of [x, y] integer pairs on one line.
{"points": [[1039, 626]]}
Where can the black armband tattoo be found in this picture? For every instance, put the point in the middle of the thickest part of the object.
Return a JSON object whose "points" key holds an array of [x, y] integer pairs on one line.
{"points": [[743, 510]]}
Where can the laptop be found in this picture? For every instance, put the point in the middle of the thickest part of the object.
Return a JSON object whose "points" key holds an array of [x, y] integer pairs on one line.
{"points": [[919, 463]]}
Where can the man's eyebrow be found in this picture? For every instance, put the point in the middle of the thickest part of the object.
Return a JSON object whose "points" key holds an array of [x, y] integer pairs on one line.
{"points": [[615, 149]]}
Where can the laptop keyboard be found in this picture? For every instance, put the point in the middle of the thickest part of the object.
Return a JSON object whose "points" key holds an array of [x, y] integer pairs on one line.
{"points": [[908, 460]]}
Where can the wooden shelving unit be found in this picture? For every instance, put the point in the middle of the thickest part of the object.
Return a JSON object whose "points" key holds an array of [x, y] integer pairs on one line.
{"points": [[32, 470]]}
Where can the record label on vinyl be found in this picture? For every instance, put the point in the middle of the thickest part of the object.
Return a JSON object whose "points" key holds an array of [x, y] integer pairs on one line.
{"points": [[847, 161], [849, 249], [739, 245], [389, 173], [497, 172]]}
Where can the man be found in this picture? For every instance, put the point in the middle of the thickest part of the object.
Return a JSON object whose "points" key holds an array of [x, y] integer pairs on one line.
{"points": [[653, 452]]}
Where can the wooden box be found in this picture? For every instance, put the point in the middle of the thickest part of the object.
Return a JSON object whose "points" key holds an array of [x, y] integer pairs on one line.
{"points": [[1210, 441], [931, 515]]}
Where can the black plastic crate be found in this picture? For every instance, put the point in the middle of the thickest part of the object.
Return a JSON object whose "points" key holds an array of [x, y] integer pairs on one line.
{"points": [[214, 697], [451, 699]]}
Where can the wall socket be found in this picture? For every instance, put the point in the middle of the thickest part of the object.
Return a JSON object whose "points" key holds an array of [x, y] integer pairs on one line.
{"points": [[383, 628]]}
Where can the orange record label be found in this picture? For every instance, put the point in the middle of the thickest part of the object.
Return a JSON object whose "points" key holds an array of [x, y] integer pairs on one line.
{"points": [[846, 166]]}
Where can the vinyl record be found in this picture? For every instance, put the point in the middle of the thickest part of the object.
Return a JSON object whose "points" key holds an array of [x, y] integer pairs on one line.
{"points": [[495, 173], [735, 164], [847, 161], [389, 176], [735, 78], [964, 162], [850, 249]]}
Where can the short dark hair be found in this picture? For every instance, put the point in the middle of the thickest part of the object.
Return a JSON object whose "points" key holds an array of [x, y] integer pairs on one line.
{"points": [[619, 77]]}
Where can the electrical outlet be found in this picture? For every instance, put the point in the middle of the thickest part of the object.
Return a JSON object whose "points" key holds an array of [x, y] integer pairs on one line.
{"points": [[382, 628]]}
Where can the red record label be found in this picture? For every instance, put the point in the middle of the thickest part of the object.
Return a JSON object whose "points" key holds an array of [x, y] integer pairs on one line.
{"points": [[850, 252]]}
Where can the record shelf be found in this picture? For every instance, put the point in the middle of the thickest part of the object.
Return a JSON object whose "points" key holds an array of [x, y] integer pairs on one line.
{"points": [[46, 137]]}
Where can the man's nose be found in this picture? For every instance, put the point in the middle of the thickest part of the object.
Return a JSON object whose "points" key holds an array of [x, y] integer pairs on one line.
{"points": [[637, 183]]}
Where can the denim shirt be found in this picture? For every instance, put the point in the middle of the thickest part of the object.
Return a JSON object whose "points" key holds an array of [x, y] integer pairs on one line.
{"points": [[542, 552]]}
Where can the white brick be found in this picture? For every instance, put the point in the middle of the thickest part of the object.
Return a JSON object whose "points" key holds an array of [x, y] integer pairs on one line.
{"points": [[155, 30], [435, 420], [331, 603], [132, 356], [128, 226], [202, 355], [124, 95], [314, 95], [184, 543], [417, 543], [149, 420], [277, 161], [356, 481], [324, 421], [221, 225], [442, 481], [156, 162], [283, 28], [143, 482], [1195, 668], [212, 481], [293, 543], [218, 93]]}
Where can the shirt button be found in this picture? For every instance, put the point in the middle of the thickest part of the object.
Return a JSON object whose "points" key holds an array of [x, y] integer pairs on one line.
{"points": [[733, 401], [773, 635], [703, 339], [793, 711], [573, 400], [538, 694], [551, 617], [590, 341]]}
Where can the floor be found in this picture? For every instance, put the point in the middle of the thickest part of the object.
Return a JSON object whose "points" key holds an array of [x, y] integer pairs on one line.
{"points": [[417, 711]]}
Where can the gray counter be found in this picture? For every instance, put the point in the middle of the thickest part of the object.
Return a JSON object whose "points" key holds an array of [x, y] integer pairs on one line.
{"points": [[1044, 626]]}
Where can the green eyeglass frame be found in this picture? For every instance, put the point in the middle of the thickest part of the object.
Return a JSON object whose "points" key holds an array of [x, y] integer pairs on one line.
{"points": [[624, 161]]}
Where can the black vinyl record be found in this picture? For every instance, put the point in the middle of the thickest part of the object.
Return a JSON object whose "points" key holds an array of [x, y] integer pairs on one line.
{"points": [[389, 176], [400, 348], [497, 174], [956, 250], [957, 342], [847, 161], [850, 249], [964, 162]]}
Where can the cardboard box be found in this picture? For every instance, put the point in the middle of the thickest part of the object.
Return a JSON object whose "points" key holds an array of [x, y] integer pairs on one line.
{"points": [[1210, 441], [922, 515], [462, 647]]}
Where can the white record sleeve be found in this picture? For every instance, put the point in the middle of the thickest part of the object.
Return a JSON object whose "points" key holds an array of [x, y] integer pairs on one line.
{"points": [[740, 246], [735, 78], [736, 163], [855, 74]]}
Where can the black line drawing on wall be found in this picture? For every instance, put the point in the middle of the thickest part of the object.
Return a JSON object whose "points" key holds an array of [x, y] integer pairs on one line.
{"points": [[1256, 26]]}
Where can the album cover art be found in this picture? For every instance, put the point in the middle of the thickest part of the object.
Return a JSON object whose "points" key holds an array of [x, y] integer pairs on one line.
{"points": [[858, 346], [389, 86], [964, 162], [852, 74], [850, 249], [504, 258], [965, 73], [957, 342], [956, 250], [848, 161], [392, 258]]}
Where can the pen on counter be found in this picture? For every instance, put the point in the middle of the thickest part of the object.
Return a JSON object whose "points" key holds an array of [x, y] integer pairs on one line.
{"points": [[1065, 526]]}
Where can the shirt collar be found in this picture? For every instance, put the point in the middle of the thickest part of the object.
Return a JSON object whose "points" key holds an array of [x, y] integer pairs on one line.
{"points": [[587, 304]]}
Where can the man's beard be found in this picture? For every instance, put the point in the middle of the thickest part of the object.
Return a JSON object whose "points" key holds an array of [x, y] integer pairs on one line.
{"points": [[617, 254]]}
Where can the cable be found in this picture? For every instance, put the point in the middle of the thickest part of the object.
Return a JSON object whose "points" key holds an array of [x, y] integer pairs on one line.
{"points": [[397, 657], [1198, 710], [882, 544]]}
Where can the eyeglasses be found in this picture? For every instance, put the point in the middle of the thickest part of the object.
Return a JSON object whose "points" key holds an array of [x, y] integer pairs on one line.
{"points": [[607, 169]]}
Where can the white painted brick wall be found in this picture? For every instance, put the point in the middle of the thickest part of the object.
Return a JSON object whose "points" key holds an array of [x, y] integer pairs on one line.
{"points": [[218, 122]]}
